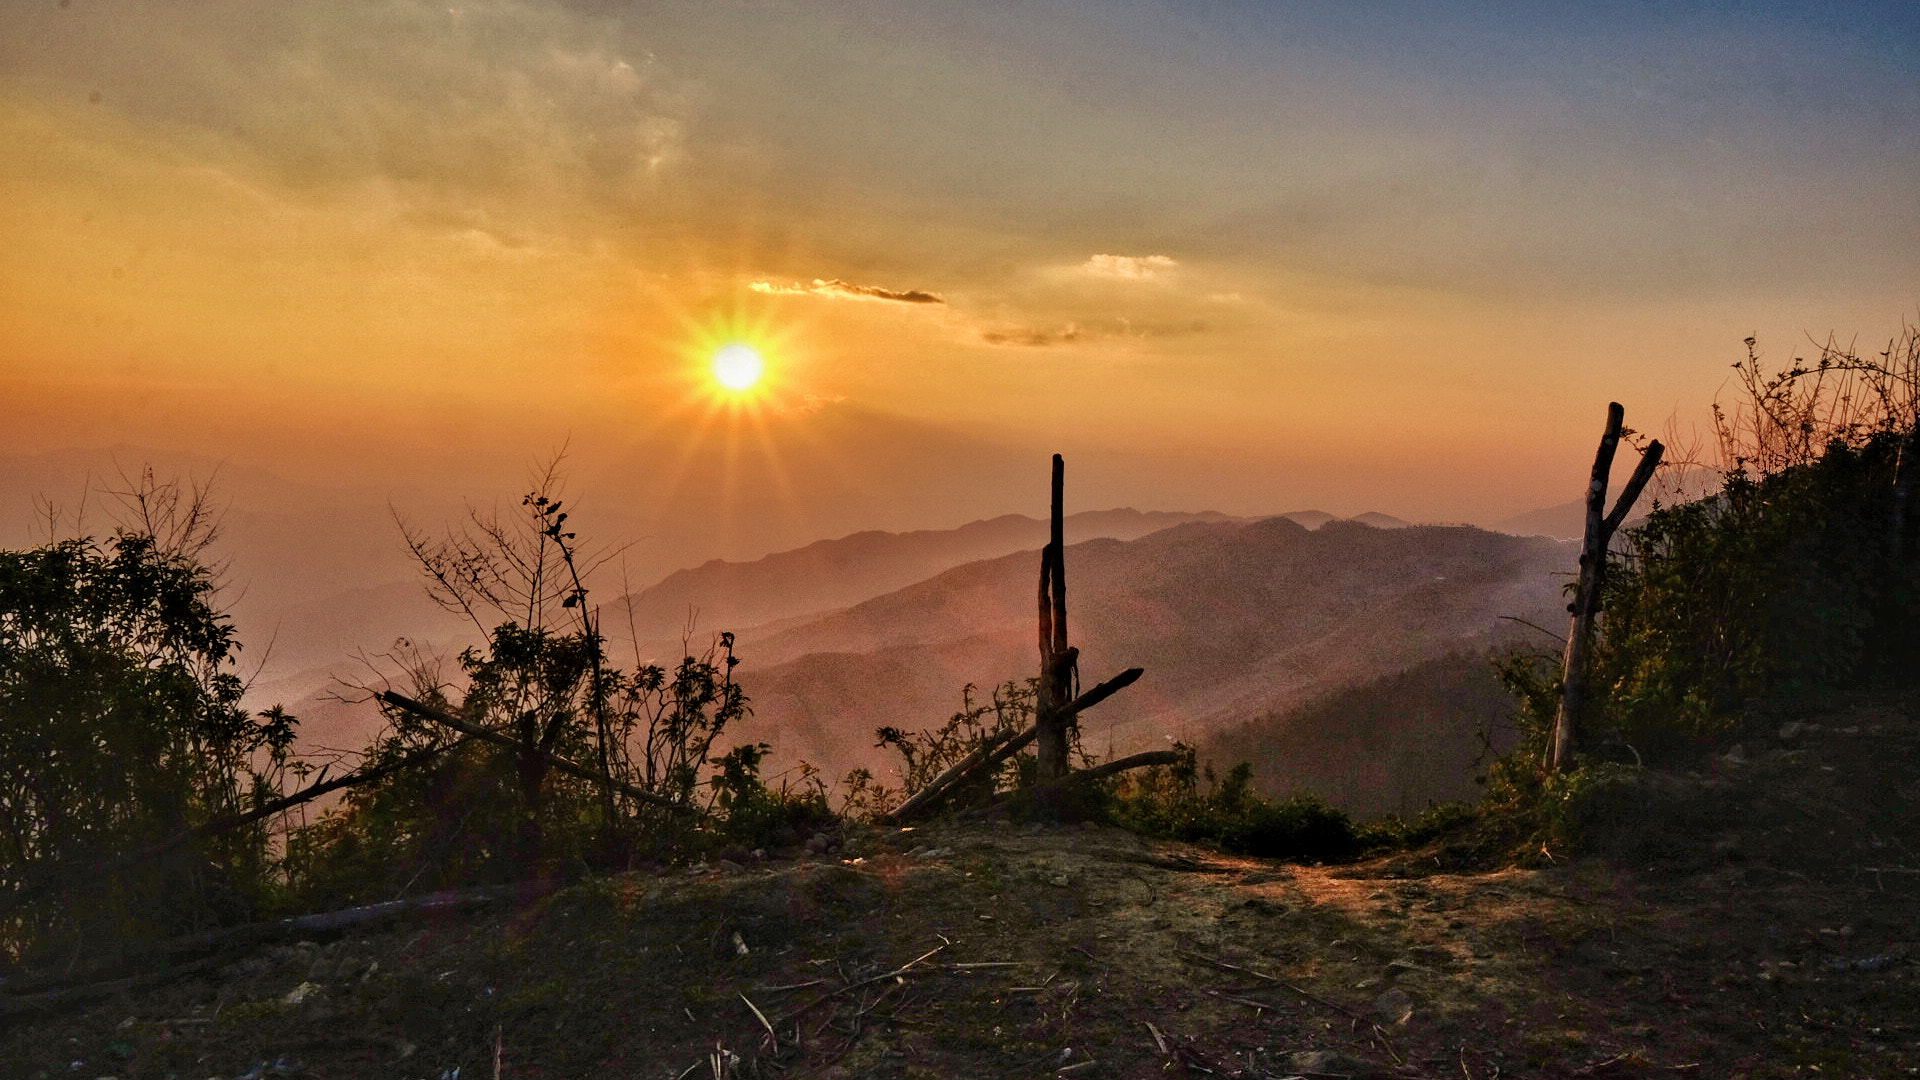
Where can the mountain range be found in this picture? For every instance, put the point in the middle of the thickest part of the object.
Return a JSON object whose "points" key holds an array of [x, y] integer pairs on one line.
{"points": [[1230, 620], [1233, 618]]}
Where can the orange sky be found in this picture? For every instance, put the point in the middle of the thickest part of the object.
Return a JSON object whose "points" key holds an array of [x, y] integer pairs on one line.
{"points": [[1238, 257]]}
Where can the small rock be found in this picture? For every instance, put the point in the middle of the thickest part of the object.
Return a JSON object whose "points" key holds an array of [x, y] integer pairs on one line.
{"points": [[818, 843], [1791, 730], [302, 992], [1059, 881], [1335, 1063], [729, 866], [1736, 755], [1394, 1006]]}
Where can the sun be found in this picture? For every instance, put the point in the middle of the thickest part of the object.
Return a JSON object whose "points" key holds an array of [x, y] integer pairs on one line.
{"points": [[737, 367]]}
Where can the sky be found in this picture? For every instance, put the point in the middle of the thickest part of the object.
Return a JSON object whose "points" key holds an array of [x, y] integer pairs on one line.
{"points": [[1249, 257]]}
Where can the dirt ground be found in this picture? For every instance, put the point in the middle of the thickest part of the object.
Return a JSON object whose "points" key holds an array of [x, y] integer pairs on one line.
{"points": [[1756, 918]]}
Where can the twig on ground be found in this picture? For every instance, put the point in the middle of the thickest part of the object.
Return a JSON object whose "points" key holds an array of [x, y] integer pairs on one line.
{"points": [[1155, 1032], [1223, 965], [1387, 1044], [762, 1017], [1589, 1070], [1248, 1002], [831, 994]]}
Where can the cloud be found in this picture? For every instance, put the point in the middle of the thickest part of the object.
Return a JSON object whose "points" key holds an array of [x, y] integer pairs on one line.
{"points": [[1128, 267], [842, 290], [1080, 332], [1033, 338], [503, 115]]}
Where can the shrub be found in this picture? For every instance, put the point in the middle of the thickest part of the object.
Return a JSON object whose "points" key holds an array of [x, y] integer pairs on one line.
{"points": [[120, 726], [481, 812], [1168, 801]]}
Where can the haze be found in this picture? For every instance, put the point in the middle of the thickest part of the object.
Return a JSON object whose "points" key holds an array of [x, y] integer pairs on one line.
{"points": [[1238, 257]]}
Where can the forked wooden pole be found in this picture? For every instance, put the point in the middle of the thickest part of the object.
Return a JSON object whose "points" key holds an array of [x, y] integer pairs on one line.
{"points": [[1593, 566]]}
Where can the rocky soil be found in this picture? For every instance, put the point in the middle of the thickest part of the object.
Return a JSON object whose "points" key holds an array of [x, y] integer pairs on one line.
{"points": [[1754, 918]]}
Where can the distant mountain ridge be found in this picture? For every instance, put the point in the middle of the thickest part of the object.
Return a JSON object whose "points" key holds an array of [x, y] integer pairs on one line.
{"points": [[832, 574], [1230, 620]]}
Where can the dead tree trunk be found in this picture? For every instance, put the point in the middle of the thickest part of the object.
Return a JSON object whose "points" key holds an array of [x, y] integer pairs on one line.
{"points": [[1058, 660], [1593, 566]]}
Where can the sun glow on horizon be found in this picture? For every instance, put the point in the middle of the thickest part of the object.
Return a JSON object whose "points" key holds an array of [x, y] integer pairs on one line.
{"points": [[737, 367]]}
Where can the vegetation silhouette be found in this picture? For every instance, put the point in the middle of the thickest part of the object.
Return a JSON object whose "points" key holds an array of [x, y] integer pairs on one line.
{"points": [[121, 729]]}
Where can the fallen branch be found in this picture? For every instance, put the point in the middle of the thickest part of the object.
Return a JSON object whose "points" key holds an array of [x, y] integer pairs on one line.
{"points": [[987, 757], [56, 876], [159, 963], [487, 734], [926, 796], [1136, 761], [1101, 692], [1224, 966]]}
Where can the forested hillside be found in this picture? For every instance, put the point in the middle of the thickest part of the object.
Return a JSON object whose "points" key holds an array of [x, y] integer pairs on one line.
{"points": [[1229, 620]]}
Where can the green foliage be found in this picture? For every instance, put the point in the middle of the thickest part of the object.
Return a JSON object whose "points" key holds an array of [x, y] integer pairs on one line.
{"points": [[1798, 576], [926, 754], [1168, 801], [1395, 832], [120, 725], [483, 812], [1787, 583], [751, 814]]}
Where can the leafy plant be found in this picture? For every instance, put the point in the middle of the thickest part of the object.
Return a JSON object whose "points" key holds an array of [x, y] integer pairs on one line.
{"points": [[927, 754], [120, 726], [1798, 576], [1168, 801], [485, 812]]}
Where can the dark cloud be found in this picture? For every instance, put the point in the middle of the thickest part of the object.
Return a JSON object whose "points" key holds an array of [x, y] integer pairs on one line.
{"points": [[1032, 338], [850, 291], [1075, 333]]}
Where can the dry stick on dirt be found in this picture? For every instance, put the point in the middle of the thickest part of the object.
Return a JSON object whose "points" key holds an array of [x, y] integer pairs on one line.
{"points": [[1593, 566], [1264, 977], [852, 986], [486, 734]]}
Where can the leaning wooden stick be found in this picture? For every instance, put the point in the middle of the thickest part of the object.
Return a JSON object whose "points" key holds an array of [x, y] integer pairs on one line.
{"points": [[946, 780], [1593, 566]]}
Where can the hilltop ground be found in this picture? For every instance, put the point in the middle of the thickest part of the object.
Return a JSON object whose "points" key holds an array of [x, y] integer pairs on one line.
{"points": [[1757, 918]]}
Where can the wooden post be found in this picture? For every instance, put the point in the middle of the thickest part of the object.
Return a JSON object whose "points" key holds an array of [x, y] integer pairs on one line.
{"points": [[1593, 566], [1057, 658]]}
